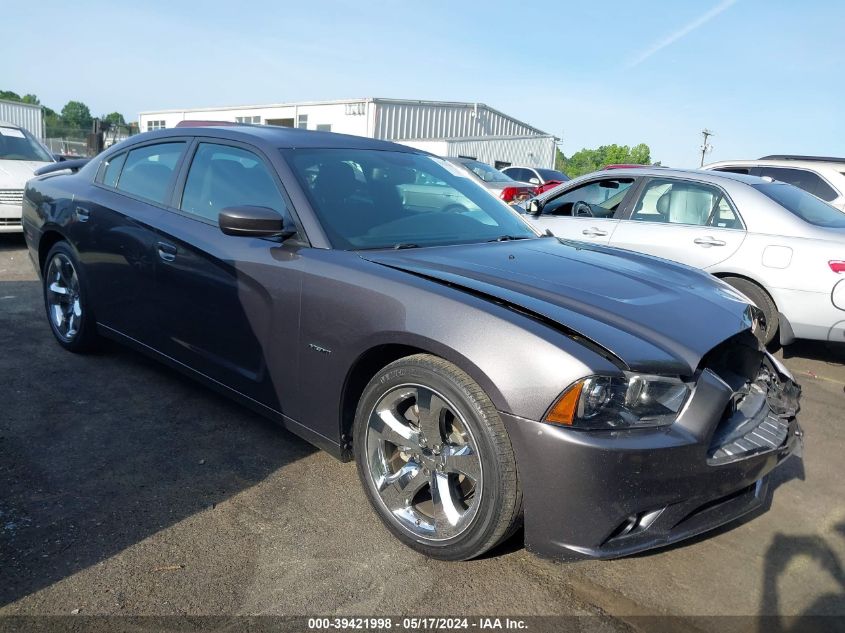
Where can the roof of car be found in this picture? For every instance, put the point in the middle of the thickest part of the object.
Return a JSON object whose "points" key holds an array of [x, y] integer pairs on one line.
{"points": [[666, 172], [281, 137], [810, 162]]}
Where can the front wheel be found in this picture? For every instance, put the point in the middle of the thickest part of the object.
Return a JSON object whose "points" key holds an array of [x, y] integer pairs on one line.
{"points": [[66, 300], [435, 459]]}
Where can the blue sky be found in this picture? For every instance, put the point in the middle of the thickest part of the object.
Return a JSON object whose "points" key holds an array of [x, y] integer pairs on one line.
{"points": [[765, 75]]}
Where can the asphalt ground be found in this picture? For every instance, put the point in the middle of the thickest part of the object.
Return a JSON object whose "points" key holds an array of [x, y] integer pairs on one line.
{"points": [[128, 489]]}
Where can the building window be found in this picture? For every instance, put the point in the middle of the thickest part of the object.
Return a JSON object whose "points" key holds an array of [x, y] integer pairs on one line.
{"points": [[355, 109], [248, 119], [302, 122], [324, 127], [155, 125]]}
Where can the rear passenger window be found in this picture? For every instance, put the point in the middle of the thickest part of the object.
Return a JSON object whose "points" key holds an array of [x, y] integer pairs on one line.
{"points": [[223, 176], [111, 170], [680, 202], [149, 169], [724, 216], [803, 179]]}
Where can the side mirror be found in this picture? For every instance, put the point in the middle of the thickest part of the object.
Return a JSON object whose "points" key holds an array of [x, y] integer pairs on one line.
{"points": [[534, 206], [248, 221], [534, 181]]}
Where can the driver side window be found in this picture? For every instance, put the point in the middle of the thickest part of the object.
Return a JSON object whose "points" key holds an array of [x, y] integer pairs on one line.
{"points": [[600, 199]]}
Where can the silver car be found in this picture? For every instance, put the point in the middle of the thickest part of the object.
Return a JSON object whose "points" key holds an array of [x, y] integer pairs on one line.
{"points": [[779, 245]]}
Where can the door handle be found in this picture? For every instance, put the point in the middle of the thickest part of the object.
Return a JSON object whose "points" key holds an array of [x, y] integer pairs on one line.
{"points": [[708, 241], [166, 252], [594, 232], [82, 214]]}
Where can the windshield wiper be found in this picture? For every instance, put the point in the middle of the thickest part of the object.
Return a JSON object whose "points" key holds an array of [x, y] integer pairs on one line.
{"points": [[402, 245], [508, 238]]}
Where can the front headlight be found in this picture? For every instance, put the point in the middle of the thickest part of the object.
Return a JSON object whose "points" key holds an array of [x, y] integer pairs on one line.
{"points": [[619, 402]]}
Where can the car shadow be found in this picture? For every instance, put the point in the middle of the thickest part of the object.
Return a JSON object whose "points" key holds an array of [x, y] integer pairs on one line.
{"points": [[99, 452], [827, 612], [11, 241], [823, 351]]}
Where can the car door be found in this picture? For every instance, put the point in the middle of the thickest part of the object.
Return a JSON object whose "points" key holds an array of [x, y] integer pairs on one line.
{"points": [[690, 222], [228, 306], [115, 237], [588, 212]]}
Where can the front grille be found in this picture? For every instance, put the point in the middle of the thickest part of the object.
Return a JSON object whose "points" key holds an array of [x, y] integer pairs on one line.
{"points": [[757, 417], [10, 222], [11, 196], [762, 433]]}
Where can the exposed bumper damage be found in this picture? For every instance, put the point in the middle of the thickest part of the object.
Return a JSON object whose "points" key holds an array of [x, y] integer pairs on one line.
{"points": [[614, 493]]}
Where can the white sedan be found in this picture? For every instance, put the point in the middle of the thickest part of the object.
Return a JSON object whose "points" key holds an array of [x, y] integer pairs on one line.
{"points": [[777, 244], [20, 155]]}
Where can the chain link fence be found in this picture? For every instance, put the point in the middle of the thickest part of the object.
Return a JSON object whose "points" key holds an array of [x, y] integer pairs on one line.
{"points": [[72, 142]]}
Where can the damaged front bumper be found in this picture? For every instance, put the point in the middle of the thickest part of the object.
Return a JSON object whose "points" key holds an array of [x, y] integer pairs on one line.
{"points": [[615, 493]]}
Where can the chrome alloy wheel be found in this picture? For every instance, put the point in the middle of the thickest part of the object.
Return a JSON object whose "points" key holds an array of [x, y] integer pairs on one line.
{"points": [[424, 462], [63, 301]]}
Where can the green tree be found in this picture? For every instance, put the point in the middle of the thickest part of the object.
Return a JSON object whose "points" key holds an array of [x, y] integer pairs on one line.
{"points": [[587, 160], [114, 118], [8, 95], [76, 115]]}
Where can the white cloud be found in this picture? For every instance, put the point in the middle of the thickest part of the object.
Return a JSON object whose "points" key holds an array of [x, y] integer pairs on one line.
{"points": [[685, 30]]}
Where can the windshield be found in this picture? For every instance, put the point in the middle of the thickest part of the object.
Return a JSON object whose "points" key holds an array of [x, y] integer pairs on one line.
{"points": [[18, 144], [485, 172], [806, 206], [369, 199], [552, 174]]}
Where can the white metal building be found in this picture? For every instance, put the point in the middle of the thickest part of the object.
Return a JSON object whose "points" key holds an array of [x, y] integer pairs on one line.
{"points": [[445, 128], [26, 115]]}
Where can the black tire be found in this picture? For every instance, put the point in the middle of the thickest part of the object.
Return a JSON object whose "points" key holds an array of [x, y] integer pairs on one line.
{"points": [[498, 513], [83, 338], [762, 300]]}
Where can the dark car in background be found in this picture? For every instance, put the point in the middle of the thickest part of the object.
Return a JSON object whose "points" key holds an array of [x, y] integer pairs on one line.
{"points": [[477, 372], [542, 179]]}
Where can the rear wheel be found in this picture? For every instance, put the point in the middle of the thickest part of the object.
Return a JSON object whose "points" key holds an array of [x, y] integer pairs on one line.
{"points": [[762, 300], [66, 300], [435, 459]]}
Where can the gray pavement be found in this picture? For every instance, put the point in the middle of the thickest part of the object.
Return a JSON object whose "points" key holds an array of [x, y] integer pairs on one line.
{"points": [[126, 488]]}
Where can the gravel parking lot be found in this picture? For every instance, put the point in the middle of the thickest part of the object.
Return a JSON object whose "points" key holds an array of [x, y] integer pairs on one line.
{"points": [[128, 489]]}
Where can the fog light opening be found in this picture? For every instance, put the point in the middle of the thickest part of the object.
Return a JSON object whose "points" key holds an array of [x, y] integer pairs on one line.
{"points": [[626, 527], [634, 523]]}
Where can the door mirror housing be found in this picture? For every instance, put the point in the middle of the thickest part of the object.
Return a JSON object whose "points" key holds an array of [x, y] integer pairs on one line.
{"points": [[249, 221], [534, 206], [534, 181]]}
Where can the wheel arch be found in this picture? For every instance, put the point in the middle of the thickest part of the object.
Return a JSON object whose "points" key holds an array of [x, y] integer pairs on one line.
{"points": [[724, 274], [377, 357], [49, 238]]}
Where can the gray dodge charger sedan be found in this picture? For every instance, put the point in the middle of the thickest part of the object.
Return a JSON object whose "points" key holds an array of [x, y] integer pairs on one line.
{"points": [[480, 374]]}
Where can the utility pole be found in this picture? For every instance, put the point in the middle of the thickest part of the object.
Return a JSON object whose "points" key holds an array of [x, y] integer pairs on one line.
{"points": [[705, 146]]}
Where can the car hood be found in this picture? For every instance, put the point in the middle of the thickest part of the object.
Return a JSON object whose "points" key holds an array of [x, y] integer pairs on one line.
{"points": [[653, 315], [15, 173]]}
